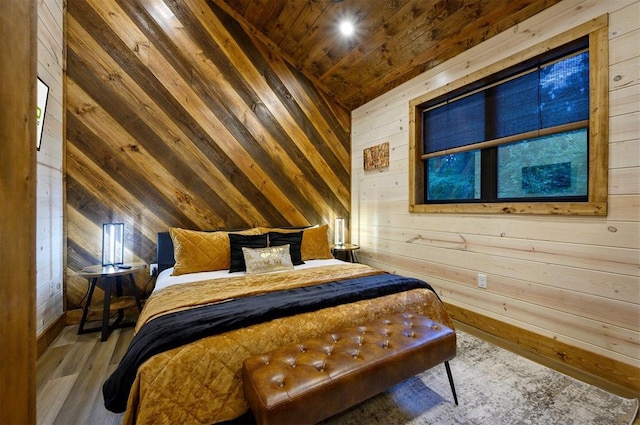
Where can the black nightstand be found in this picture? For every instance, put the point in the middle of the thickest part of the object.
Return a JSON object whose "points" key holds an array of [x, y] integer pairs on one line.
{"points": [[346, 252], [106, 277]]}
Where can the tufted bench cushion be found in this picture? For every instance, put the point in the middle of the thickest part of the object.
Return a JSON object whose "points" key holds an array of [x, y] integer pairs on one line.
{"points": [[309, 381]]}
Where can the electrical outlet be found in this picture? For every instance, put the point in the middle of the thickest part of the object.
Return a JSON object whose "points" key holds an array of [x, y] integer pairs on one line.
{"points": [[482, 281], [153, 269]]}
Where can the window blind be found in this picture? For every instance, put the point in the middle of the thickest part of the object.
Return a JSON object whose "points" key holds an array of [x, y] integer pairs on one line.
{"points": [[549, 95]]}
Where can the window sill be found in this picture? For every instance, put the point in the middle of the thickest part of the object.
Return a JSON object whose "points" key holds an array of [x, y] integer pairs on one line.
{"points": [[538, 208]]}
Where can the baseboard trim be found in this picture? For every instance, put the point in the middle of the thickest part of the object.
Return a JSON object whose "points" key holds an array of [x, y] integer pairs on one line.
{"points": [[611, 375], [46, 338]]}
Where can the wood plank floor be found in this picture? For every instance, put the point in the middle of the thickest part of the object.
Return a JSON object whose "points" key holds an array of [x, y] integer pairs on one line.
{"points": [[70, 376], [74, 367]]}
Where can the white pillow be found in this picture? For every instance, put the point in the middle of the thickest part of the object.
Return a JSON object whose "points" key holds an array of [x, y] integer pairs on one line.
{"points": [[267, 260]]}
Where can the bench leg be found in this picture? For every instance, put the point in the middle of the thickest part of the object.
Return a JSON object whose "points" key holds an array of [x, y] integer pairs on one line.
{"points": [[453, 387]]}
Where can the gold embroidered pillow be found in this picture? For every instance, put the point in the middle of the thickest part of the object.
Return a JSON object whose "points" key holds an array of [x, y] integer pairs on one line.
{"points": [[266, 260], [196, 251], [315, 243]]}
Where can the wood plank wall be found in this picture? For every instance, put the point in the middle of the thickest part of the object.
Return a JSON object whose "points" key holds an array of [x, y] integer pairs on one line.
{"points": [[176, 117], [18, 26], [572, 282], [50, 170]]}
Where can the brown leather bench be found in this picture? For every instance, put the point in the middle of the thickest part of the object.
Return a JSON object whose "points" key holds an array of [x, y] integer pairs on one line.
{"points": [[307, 382]]}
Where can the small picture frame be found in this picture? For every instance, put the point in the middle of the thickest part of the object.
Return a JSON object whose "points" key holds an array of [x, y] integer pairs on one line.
{"points": [[376, 157], [41, 110]]}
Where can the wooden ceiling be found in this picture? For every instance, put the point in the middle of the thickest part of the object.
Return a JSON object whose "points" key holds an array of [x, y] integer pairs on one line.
{"points": [[395, 40]]}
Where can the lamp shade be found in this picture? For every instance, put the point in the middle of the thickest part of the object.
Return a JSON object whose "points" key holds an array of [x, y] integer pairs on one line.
{"points": [[112, 244], [338, 232]]}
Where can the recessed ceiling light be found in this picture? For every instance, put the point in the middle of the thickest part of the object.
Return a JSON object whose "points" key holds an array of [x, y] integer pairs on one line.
{"points": [[346, 28]]}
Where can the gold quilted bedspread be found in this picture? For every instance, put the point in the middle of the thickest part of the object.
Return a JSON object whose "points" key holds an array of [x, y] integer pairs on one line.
{"points": [[201, 383]]}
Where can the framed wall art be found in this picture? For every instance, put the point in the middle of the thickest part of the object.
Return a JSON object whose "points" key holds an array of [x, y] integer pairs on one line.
{"points": [[376, 157], [41, 109]]}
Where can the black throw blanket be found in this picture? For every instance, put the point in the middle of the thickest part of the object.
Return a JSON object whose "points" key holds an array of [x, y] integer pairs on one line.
{"points": [[183, 327]]}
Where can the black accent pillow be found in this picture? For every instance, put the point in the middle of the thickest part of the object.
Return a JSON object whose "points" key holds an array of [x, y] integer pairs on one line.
{"points": [[236, 242], [294, 240]]}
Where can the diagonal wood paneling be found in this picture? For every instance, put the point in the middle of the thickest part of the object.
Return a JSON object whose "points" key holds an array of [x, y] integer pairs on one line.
{"points": [[176, 116]]}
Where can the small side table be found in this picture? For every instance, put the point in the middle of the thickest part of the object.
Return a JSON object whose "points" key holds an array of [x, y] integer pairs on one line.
{"points": [[105, 277], [346, 252]]}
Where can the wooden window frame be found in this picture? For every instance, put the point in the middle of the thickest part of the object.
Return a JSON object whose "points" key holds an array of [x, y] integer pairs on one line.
{"points": [[596, 205]]}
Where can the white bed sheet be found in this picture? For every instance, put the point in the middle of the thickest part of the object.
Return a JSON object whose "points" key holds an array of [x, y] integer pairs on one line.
{"points": [[165, 279]]}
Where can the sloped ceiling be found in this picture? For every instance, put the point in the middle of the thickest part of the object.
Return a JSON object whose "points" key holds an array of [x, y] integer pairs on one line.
{"points": [[394, 41]]}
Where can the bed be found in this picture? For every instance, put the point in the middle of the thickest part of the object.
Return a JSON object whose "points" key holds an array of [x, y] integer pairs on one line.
{"points": [[184, 363]]}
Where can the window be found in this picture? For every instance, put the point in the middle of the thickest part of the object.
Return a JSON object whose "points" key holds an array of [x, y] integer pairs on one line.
{"points": [[529, 138]]}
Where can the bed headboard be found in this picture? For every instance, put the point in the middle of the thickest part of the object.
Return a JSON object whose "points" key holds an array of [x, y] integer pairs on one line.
{"points": [[165, 251], [164, 247]]}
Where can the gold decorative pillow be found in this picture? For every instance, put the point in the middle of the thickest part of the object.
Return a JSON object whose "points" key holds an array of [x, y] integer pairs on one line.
{"points": [[267, 260], [315, 243], [196, 251]]}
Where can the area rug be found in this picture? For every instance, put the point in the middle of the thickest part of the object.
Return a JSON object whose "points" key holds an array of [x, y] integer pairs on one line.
{"points": [[494, 387]]}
